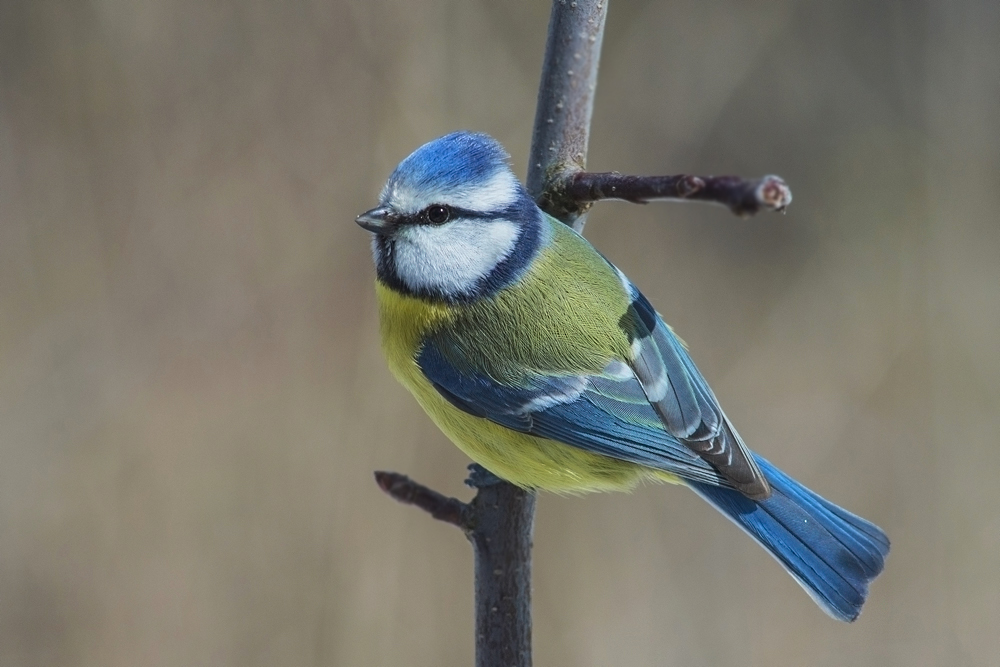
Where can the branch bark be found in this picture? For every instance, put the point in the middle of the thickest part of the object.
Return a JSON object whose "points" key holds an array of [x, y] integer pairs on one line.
{"points": [[566, 103], [502, 540]]}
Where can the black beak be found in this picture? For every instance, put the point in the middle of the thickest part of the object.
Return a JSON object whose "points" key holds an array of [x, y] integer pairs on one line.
{"points": [[378, 220]]}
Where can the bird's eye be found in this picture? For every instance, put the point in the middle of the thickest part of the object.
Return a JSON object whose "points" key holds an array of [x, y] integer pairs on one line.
{"points": [[437, 214]]}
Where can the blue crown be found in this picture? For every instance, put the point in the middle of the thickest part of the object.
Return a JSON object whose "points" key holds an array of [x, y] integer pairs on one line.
{"points": [[454, 161]]}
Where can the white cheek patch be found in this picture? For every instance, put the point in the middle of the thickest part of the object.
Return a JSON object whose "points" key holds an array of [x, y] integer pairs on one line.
{"points": [[499, 191], [452, 258]]}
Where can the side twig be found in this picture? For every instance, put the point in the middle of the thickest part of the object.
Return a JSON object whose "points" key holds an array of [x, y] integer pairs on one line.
{"points": [[439, 506], [742, 196]]}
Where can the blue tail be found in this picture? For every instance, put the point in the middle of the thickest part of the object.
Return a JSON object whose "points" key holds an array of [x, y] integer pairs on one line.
{"points": [[830, 552]]}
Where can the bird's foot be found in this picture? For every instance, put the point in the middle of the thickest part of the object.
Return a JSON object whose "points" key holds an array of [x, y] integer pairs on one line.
{"points": [[480, 477]]}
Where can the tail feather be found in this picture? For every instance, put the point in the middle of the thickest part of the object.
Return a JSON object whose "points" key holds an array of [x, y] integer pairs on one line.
{"points": [[832, 553]]}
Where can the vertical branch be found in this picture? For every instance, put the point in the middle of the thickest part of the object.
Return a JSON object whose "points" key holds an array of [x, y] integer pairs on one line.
{"points": [[498, 523], [505, 514], [500, 519], [501, 539], [566, 103]]}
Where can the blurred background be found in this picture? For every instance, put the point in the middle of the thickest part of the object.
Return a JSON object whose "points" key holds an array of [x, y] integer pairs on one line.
{"points": [[192, 397]]}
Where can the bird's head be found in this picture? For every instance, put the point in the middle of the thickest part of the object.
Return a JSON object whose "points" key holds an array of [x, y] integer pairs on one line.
{"points": [[453, 222]]}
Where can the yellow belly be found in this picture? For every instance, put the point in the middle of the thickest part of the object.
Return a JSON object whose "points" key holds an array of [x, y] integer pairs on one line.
{"points": [[521, 459]]}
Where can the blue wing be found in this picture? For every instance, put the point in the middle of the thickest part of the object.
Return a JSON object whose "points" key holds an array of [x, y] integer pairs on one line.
{"points": [[683, 400], [606, 413], [830, 552]]}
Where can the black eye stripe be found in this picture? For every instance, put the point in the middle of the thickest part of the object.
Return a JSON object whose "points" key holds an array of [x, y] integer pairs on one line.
{"points": [[456, 213], [429, 216]]}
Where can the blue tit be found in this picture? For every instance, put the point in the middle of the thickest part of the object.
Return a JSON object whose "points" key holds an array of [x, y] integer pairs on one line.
{"points": [[543, 363]]}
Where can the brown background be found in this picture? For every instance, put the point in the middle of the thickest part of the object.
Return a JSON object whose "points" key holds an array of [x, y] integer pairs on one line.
{"points": [[192, 399]]}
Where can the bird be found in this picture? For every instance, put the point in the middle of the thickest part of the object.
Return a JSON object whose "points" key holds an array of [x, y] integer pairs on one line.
{"points": [[541, 361]]}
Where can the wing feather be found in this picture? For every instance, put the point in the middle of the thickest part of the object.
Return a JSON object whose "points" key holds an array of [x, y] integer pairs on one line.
{"points": [[683, 400], [605, 413]]}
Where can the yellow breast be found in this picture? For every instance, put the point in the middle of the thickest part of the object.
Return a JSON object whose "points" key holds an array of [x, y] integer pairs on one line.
{"points": [[521, 459]]}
